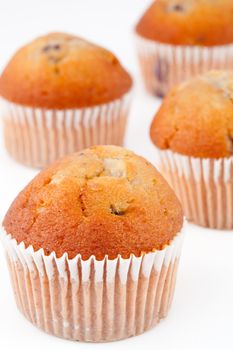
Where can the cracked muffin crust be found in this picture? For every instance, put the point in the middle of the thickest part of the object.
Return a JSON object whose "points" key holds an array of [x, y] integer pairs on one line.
{"points": [[196, 118], [102, 201], [63, 71], [188, 22]]}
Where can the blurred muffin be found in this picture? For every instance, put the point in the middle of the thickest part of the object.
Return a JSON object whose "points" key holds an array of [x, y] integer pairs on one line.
{"points": [[177, 39], [193, 131], [62, 94], [98, 237]]}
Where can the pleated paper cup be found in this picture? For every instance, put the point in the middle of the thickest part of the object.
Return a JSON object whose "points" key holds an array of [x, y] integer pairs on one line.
{"points": [[204, 187], [37, 136], [164, 66], [92, 300]]}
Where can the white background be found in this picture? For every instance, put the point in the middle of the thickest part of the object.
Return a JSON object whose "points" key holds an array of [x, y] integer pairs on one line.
{"points": [[202, 313]]}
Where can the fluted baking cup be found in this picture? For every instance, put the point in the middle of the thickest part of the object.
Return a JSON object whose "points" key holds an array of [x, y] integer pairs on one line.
{"points": [[92, 300], [204, 186], [38, 136], [164, 65]]}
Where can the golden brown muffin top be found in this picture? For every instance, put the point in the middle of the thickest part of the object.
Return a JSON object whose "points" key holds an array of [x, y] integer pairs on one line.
{"points": [[196, 117], [104, 200], [63, 71], [188, 22]]}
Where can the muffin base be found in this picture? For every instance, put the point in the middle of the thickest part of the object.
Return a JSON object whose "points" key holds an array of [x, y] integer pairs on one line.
{"points": [[204, 187], [164, 66], [36, 137], [92, 300]]}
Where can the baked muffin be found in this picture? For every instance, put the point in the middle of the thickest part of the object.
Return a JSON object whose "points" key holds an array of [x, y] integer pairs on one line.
{"points": [[193, 131], [61, 94], [98, 236], [177, 39]]}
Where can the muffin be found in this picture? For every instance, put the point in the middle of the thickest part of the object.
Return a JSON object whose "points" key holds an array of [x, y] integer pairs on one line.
{"points": [[177, 39], [193, 133], [62, 94], [93, 246]]}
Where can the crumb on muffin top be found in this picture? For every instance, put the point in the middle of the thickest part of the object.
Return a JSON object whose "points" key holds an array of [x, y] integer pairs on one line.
{"points": [[196, 117], [188, 22], [60, 71], [102, 201]]}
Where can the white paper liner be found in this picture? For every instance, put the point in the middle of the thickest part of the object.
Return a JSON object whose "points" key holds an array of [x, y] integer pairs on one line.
{"points": [[36, 137], [204, 187], [93, 300], [164, 65]]}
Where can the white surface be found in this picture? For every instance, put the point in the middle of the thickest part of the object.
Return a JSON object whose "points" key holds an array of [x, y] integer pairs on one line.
{"points": [[202, 313]]}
